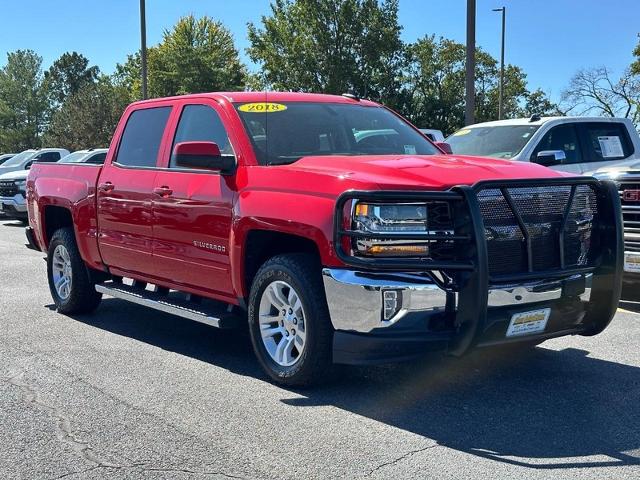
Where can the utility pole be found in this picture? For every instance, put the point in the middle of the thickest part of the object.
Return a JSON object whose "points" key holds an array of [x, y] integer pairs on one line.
{"points": [[470, 87], [501, 99], [143, 48]]}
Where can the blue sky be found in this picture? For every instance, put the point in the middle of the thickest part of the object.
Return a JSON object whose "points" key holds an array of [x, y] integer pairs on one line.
{"points": [[549, 39]]}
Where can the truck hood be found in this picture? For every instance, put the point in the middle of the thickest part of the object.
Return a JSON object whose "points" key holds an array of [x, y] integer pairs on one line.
{"points": [[420, 171], [17, 175], [617, 168], [5, 170]]}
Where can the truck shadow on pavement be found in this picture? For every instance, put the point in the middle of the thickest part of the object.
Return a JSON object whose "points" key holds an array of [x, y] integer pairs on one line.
{"points": [[543, 409]]}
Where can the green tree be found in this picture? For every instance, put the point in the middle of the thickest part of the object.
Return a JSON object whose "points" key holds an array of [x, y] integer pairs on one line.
{"points": [[538, 103], [197, 55], [635, 66], [68, 75], [433, 86], [88, 117], [23, 101], [331, 46]]}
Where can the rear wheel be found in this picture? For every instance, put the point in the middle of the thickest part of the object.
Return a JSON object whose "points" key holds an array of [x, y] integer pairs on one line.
{"points": [[289, 320], [71, 288]]}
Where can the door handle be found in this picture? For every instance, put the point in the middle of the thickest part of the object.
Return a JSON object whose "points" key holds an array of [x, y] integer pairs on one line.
{"points": [[163, 191], [106, 187]]}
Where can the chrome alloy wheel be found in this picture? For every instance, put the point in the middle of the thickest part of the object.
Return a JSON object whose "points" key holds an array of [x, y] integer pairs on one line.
{"points": [[282, 323], [62, 272]]}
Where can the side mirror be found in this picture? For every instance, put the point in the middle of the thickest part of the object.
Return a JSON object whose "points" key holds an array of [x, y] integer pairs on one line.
{"points": [[445, 147], [549, 158], [204, 155]]}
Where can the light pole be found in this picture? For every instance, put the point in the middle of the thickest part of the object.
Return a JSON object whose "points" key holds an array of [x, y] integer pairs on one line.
{"points": [[143, 48], [470, 66], [501, 99]]}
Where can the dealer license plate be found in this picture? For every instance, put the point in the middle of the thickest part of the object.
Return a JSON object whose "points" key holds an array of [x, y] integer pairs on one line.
{"points": [[527, 323], [632, 262]]}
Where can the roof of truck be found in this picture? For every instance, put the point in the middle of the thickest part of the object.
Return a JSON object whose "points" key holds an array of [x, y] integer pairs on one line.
{"points": [[242, 97], [542, 120]]}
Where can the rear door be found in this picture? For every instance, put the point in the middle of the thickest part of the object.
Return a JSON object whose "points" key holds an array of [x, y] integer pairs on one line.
{"points": [[125, 191], [604, 144], [192, 208]]}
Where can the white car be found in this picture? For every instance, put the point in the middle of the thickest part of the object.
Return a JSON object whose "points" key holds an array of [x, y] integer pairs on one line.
{"points": [[573, 144], [13, 184], [433, 135]]}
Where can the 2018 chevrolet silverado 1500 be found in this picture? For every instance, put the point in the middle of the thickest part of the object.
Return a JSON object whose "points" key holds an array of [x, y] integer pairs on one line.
{"points": [[334, 226]]}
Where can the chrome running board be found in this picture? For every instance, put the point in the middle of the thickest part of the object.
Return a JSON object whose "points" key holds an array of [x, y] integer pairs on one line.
{"points": [[211, 313]]}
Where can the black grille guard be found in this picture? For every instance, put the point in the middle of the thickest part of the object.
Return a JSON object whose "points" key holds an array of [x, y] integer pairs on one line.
{"points": [[470, 270]]}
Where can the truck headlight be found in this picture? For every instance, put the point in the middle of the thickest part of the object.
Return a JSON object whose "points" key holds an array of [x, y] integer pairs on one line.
{"points": [[396, 219], [21, 185]]}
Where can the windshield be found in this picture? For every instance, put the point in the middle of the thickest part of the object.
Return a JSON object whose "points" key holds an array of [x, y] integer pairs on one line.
{"points": [[18, 159], [74, 157], [499, 141], [283, 133]]}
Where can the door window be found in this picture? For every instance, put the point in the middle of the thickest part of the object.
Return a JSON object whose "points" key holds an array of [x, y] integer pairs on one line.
{"points": [[562, 137], [607, 141], [98, 158], [47, 157], [141, 138], [201, 123]]}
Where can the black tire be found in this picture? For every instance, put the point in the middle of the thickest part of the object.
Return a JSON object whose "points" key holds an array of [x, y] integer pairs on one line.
{"points": [[83, 297], [303, 273]]}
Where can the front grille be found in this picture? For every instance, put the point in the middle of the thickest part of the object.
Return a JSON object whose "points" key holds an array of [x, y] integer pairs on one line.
{"points": [[631, 215], [8, 189], [511, 213], [440, 221]]}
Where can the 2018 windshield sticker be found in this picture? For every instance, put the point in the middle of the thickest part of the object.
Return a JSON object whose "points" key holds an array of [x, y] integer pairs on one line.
{"points": [[262, 107], [462, 132]]}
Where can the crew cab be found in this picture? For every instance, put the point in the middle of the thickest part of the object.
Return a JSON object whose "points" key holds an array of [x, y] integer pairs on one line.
{"points": [[335, 240], [578, 145]]}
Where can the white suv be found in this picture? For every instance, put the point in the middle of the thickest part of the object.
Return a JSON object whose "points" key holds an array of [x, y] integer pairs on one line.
{"points": [[573, 144]]}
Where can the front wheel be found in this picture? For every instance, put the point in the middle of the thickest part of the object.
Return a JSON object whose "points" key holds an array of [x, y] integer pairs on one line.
{"points": [[289, 320], [71, 288]]}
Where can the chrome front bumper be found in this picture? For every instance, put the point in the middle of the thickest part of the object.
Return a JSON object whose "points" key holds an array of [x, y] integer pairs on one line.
{"points": [[363, 302], [17, 202]]}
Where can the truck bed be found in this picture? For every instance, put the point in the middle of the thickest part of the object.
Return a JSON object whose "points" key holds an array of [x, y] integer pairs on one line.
{"points": [[72, 187]]}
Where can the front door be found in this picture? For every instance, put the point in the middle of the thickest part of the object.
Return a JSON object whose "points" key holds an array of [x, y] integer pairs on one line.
{"points": [[562, 137], [192, 209], [125, 190]]}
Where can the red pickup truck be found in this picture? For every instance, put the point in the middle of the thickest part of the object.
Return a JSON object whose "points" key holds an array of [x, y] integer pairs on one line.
{"points": [[330, 224]]}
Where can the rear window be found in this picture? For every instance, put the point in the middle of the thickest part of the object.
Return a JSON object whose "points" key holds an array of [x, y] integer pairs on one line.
{"points": [[141, 138], [607, 141]]}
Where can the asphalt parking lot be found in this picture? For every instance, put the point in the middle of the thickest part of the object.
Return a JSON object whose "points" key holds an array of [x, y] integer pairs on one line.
{"points": [[133, 393]]}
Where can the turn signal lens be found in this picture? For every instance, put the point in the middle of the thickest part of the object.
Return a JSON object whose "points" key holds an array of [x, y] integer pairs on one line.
{"points": [[410, 250]]}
